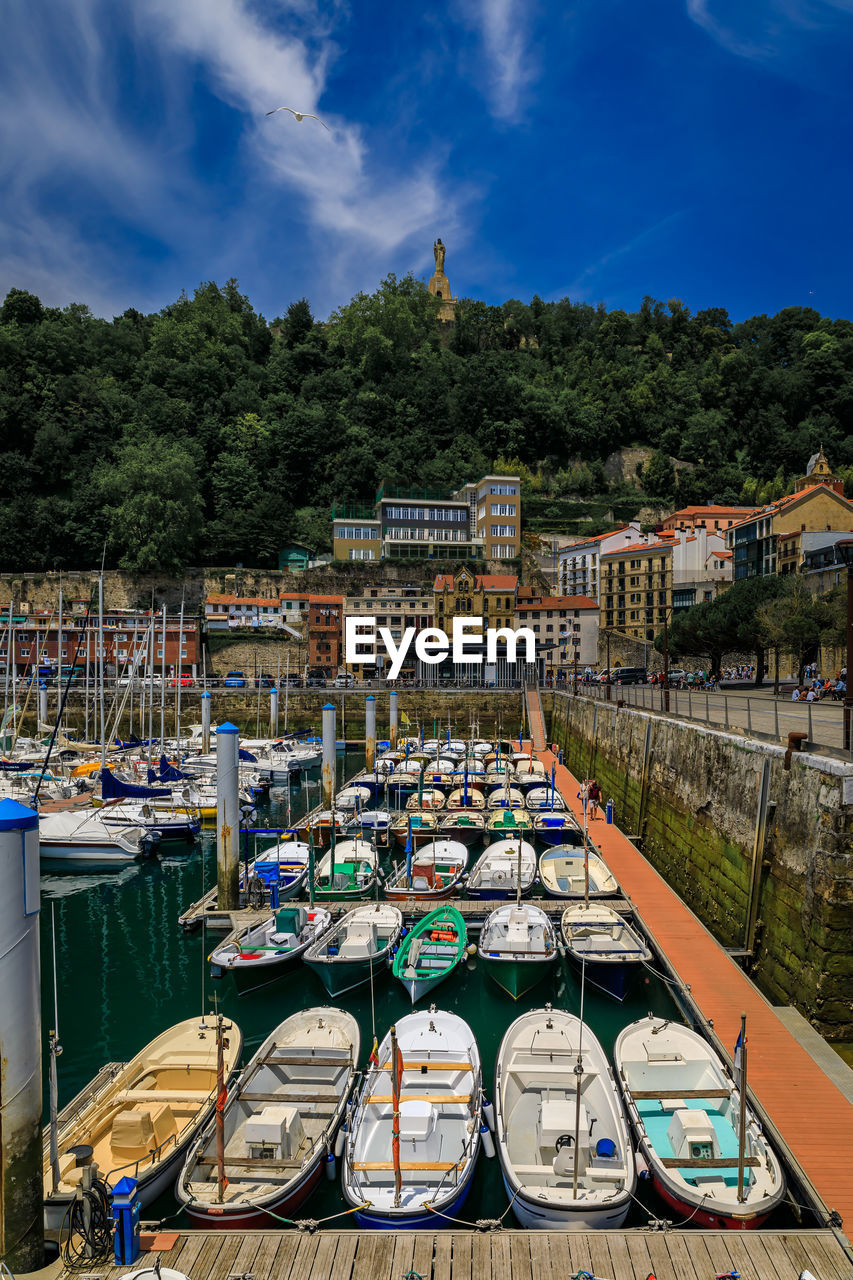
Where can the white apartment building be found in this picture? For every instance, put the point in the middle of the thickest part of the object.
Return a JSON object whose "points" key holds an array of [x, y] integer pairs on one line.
{"points": [[579, 564]]}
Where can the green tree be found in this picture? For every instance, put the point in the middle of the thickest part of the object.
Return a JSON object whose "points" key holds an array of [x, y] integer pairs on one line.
{"points": [[152, 505], [728, 623], [659, 476]]}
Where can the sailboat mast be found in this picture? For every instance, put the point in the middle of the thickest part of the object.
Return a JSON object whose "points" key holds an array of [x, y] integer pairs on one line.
{"points": [[59, 654], [578, 1083], [180, 664], [100, 667], [220, 1112], [163, 686], [396, 1074], [55, 1051]]}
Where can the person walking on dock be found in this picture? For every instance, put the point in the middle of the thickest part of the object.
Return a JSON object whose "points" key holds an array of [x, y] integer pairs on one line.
{"points": [[594, 794]]}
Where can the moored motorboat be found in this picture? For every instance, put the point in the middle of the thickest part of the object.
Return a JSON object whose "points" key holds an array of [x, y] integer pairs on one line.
{"points": [[685, 1109], [279, 1122], [262, 953], [563, 874], [431, 951], [81, 835], [429, 873], [466, 798], [602, 940], [428, 798], [554, 828], [542, 1132], [418, 827], [283, 865], [415, 1130], [518, 946], [506, 798], [360, 944], [349, 869], [141, 1120], [462, 824], [496, 873], [504, 824], [546, 798]]}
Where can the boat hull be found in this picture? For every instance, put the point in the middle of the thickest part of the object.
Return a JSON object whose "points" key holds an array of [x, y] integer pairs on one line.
{"points": [[536, 1216], [94, 853], [248, 1217], [252, 977], [516, 977], [340, 976], [403, 894], [418, 1219], [497, 893], [614, 977], [420, 987], [554, 836], [702, 1217]]}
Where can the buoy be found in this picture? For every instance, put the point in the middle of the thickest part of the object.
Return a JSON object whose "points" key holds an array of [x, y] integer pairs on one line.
{"points": [[643, 1170], [330, 1167], [340, 1141], [489, 1114], [487, 1141], [471, 949]]}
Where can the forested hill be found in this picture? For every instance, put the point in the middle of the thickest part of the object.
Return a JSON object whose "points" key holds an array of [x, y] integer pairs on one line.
{"points": [[206, 434]]}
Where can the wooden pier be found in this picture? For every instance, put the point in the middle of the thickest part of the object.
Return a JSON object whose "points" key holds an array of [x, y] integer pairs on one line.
{"points": [[497, 1255], [808, 1116], [473, 911]]}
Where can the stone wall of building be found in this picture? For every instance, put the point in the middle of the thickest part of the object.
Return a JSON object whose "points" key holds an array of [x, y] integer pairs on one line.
{"points": [[692, 795]]}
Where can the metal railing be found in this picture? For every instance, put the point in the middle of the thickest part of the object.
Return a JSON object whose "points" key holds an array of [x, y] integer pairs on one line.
{"points": [[760, 715]]}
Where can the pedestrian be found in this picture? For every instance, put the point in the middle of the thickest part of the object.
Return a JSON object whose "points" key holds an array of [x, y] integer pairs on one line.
{"points": [[594, 799], [583, 794]]}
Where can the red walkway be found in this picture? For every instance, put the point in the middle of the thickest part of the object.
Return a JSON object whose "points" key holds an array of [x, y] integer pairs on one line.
{"points": [[812, 1115]]}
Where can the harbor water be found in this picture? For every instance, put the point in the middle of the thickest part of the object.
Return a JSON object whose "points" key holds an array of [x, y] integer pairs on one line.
{"points": [[126, 972]]}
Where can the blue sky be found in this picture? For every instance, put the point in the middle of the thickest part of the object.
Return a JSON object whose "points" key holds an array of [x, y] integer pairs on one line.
{"points": [[603, 149]]}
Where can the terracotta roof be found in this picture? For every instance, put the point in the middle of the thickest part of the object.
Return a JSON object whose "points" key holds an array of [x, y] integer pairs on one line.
{"points": [[293, 595], [773, 508], [637, 546], [597, 537], [558, 602], [325, 599], [686, 512], [253, 600]]}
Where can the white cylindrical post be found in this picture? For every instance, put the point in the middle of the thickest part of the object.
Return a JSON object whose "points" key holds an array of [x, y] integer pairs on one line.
{"points": [[370, 731], [227, 818], [42, 705], [205, 723], [273, 713], [329, 754], [21, 1189], [392, 718]]}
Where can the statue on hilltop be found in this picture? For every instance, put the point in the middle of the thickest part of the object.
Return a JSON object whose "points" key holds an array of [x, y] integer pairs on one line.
{"points": [[439, 250]]}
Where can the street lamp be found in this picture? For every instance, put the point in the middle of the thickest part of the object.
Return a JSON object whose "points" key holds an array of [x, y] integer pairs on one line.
{"points": [[844, 551]]}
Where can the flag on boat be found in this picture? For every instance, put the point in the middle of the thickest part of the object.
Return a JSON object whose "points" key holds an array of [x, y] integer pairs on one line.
{"points": [[405, 719], [738, 1055]]}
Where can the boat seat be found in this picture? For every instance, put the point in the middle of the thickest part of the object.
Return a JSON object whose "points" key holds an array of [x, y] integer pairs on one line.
{"points": [[163, 1095], [137, 1132]]}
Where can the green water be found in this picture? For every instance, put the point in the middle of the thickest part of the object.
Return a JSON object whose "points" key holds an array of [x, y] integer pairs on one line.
{"points": [[126, 972]]}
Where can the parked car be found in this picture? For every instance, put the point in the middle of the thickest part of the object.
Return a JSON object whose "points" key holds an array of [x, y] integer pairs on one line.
{"points": [[292, 681], [235, 680], [186, 682], [264, 682], [344, 681], [628, 675], [315, 679]]}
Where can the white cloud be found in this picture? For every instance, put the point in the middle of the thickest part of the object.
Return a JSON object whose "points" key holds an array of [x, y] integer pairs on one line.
{"points": [[762, 29], [503, 29], [65, 111]]}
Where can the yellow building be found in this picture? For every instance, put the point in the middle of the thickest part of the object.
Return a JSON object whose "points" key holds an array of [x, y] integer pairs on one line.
{"points": [[635, 588], [770, 541], [490, 596]]}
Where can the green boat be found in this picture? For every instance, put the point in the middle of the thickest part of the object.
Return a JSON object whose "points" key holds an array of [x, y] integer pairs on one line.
{"points": [[504, 823], [358, 945], [348, 870], [518, 946], [431, 951]]}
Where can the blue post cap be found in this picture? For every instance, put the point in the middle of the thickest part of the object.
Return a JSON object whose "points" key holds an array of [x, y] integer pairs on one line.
{"points": [[370, 698], [206, 694], [228, 727], [125, 1187], [17, 817], [330, 706]]}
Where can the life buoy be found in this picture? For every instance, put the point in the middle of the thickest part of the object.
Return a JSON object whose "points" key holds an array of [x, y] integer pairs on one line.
{"points": [[499, 877]]}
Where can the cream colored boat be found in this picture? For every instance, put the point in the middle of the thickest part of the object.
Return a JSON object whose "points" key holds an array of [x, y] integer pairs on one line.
{"points": [[139, 1120]]}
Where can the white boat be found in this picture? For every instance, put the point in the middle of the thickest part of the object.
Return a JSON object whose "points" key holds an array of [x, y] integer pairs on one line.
{"points": [[428, 798], [518, 946], [280, 1120], [140, 1120], [351, 799], [563, 875], [431, 872], [264, 952], [349, 870], [357, 947], [81, 835], [530, 773], [466, 798], [685, 1109], [598, 937], [545, 798], [506, 798], [495, 874], [541, 1132], [426, 1086], [285, 865], [167, 824]]}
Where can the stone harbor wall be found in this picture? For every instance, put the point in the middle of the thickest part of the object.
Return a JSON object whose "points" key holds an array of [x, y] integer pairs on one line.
{"points": [[761, 851]]}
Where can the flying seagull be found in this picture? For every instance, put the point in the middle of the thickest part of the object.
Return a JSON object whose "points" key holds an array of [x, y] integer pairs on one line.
{"points": [[299, 116]]}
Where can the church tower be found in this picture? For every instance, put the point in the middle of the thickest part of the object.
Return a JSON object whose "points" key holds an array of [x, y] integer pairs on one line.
{"points": [[819, 471], [439, 285]]}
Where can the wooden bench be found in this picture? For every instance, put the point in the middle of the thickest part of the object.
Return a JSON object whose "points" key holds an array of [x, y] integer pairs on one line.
{"points": [[658, 1094], [431, 1066], [453, 1099], [708, 1162], [164, 1095], [385, 1166]]}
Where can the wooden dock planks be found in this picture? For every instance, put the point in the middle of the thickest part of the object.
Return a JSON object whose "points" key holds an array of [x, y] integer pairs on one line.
{"points": [[813, 1117], [502, 1255]]}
